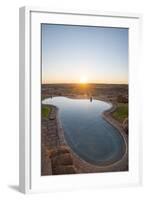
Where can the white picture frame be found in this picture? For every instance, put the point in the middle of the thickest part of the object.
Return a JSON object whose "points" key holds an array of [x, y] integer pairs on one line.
{"points": [[29, 160]]}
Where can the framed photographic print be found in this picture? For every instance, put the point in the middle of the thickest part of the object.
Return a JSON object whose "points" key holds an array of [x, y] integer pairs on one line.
{"points": [[79, 100]]}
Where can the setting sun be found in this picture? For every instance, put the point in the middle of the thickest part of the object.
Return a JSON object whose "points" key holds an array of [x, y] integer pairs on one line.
{"points": [[83, 80]]}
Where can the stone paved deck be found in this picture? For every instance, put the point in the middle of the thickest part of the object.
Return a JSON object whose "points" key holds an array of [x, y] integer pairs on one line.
{"points": [[49, 140]]}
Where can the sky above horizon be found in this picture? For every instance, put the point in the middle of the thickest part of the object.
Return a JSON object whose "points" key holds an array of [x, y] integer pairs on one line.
{"points": [[84, 54]]}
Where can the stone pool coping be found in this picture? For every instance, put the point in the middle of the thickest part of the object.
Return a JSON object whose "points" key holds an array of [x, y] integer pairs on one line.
{"points": [[107, 115]]}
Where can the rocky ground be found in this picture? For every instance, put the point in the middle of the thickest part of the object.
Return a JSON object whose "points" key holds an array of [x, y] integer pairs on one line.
{"points": [[108, 92]]}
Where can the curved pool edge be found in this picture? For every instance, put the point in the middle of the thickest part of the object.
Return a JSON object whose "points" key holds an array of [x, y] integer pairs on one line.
{"points": [[83, 166], [108, 117]]}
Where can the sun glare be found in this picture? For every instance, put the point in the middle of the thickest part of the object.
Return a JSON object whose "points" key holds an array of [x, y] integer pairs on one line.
{"points": [[83, 80]]}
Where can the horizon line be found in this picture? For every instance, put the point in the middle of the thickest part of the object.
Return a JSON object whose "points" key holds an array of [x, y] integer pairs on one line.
{"points": [[88, 83]]}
